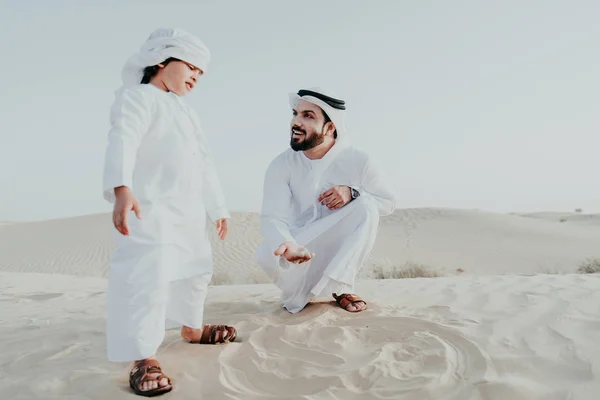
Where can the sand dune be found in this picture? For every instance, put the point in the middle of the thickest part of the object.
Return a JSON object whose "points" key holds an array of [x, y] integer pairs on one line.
{"points": [[75, 246], [572, 217], [441, 240], [482, 243], [448, 338]]}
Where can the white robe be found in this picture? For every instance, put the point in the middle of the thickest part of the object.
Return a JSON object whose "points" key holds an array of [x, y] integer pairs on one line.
{"points": [[159, 273], [341, 239]]}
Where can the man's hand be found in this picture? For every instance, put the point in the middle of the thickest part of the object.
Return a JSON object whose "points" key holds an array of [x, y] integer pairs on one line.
{"points": [[125, 202], [222, 228], [336, 197], [294, 253]]}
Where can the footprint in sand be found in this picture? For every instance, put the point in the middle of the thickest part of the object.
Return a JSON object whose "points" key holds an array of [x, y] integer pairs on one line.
{"points": [[368, 357]]}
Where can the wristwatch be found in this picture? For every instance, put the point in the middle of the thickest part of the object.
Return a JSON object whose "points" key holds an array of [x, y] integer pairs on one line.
{"points": [[354, 193]]}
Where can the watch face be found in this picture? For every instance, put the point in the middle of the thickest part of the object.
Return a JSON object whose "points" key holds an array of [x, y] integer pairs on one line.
{"points": [[354, 193]]}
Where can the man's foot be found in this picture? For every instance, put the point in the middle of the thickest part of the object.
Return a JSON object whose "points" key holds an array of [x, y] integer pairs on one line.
{"points": [[209, 334], [350, 302], [147, 379]]}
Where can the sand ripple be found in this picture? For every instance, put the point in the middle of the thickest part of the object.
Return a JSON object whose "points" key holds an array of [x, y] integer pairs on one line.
{"points": [[370, 357]]}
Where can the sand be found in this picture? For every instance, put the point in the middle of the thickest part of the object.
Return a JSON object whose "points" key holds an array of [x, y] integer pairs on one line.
{"points": [[516, 322]]}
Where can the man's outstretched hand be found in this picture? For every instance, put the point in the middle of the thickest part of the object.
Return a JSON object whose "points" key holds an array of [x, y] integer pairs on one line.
{"points": [[294, 253]]}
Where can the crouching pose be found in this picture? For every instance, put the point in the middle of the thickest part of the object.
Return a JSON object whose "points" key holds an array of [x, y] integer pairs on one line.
{"points": [[321, 205]]}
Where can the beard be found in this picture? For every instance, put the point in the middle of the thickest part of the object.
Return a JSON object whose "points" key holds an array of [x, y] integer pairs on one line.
{"points": [[309, 141]]}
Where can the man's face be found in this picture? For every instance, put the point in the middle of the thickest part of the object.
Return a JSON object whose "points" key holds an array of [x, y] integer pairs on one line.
{"points": [[307, 126], [180, 77]]}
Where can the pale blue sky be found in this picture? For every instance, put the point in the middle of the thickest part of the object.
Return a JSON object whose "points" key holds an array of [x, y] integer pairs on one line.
{"points": [[466, 104]]}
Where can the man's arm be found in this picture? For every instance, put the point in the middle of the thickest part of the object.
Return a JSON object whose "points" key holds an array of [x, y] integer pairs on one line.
{"points": [[277, 198], [374, 185], [274, 220]]}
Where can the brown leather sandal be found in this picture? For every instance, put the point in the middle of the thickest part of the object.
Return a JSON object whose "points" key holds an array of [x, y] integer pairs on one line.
{"points": [[345, 299], [140, 373], [217, 334]]}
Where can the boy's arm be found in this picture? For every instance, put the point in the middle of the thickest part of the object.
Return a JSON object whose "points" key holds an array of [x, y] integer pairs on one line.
{"points": [[131, 116]]}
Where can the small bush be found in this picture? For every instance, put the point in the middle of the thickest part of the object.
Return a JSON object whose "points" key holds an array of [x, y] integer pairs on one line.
{"points": [[406, 271], [550, 271], [591, 266]]}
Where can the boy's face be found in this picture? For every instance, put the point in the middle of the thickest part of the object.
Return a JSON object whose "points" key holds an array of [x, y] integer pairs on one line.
{"points": [[179, 77]]}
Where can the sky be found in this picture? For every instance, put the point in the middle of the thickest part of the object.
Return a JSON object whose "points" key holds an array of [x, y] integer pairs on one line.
{"points": [[464, 104]]}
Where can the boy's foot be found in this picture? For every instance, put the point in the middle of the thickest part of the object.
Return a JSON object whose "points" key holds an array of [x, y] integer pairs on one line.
{"points": [[210, 334], [147, 379]]}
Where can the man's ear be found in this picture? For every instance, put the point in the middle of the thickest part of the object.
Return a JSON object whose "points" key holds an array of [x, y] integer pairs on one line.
{"points": [[330, 128]]}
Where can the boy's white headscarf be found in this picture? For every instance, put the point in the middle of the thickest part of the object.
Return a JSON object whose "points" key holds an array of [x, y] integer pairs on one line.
{"points": [[332, 105], [162, 44]]}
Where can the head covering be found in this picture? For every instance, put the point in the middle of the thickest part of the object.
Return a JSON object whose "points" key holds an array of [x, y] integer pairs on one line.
{"points": [[160, 45], [331, 104]]}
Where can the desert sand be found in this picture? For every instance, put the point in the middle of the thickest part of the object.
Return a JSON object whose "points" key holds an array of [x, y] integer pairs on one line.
{"points": [[507, 317]]}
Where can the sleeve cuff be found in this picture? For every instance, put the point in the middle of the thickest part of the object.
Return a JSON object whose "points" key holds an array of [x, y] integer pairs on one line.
{"points": [[283, 263], [219, 213], [109, 191]]}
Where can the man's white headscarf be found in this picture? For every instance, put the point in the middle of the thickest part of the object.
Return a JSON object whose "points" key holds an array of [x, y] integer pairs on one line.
{"points": [[332, 105], [160, 45]]}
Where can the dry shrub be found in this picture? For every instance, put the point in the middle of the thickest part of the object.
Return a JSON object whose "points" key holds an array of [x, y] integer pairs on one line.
{"points": [[589, 266], [408, 270]]}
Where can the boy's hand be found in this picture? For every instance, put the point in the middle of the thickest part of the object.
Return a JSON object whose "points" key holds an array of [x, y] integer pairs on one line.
{"points": [[125, 202], [222, 228]]}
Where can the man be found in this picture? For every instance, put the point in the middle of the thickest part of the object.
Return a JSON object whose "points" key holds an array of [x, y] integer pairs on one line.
{"points": [[321, 205], [158, 165]]}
